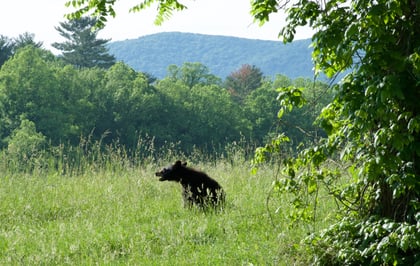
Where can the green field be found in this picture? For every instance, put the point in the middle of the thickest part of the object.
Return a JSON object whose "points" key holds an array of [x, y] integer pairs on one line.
{"points": [[126, 216]]}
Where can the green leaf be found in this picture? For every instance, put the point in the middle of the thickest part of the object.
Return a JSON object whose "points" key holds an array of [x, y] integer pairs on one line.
{"points": [[351, 31], [280, 113]]}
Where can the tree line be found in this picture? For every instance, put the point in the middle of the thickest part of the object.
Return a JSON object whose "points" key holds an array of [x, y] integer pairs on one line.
{"points": [[62, 103], [84, 93]]}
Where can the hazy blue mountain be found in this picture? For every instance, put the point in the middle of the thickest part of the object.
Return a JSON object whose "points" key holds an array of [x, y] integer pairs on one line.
{"points": [[221, 54]]}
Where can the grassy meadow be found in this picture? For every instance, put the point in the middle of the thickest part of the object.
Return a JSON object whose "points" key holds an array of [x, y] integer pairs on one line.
{"points": [[120, 214]]}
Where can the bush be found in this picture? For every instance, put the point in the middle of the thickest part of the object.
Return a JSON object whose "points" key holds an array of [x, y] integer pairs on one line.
{"points": [[375, 241]]}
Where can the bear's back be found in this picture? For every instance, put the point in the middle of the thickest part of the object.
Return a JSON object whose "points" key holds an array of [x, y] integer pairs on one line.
{"points": [[196, 178]]}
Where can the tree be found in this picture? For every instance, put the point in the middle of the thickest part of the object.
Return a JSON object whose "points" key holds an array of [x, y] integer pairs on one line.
{"points": [[262, 108], [25, 39], [243, 81], [192, 74], [78, 88], [8, 47], [373, 127], [25, 145], [82, 48], [135, 108], [29, 88], [203, 116]]}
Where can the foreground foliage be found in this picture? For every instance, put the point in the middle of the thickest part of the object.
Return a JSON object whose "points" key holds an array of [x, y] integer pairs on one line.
{"points": [[373, 128]]}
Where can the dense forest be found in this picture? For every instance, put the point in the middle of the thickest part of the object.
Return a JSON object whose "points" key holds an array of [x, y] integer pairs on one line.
{"points": [[45, 100]]}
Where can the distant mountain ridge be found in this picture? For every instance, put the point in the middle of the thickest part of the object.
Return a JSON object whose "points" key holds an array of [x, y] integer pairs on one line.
{"points": [[221, 54]]}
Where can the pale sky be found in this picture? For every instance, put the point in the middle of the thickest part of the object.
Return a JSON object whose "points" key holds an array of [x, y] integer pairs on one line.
{"points": [[215, 17]]}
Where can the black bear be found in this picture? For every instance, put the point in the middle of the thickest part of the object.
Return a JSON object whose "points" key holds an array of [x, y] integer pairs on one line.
{"points": [[197, 187]]}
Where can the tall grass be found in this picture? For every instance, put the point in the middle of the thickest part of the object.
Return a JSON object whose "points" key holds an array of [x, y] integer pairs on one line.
{"points": [[105, 206]]}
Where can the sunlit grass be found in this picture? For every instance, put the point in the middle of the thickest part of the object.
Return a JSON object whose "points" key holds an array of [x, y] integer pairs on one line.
{"points": [[124, 215]]}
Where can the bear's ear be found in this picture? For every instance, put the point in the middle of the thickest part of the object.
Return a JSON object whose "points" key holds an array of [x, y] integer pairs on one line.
{"points": [[184, 164], [178, 163]]}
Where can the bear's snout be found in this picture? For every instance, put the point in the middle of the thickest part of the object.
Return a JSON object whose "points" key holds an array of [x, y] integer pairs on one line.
{"points": [[162, 178]]}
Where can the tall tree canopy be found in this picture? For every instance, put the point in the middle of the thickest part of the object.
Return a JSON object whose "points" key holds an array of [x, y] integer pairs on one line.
{"points": [[25, 39], [6, 49], [243, 81], [83, 48], [192, 74], [28, 91], [9, 46]]}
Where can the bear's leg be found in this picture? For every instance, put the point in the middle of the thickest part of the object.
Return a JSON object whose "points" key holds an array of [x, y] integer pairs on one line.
{"points": [[187, 197]]}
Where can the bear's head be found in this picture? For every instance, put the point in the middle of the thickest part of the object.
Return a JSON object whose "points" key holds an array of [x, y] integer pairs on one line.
{"points": [[171, 173]]}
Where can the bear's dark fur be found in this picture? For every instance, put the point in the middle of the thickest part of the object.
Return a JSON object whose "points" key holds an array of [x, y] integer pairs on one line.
{"points": [[197, 187]]}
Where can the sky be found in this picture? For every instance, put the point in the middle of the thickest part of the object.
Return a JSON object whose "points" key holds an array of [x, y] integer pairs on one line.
{"points": [[214, 17]]}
